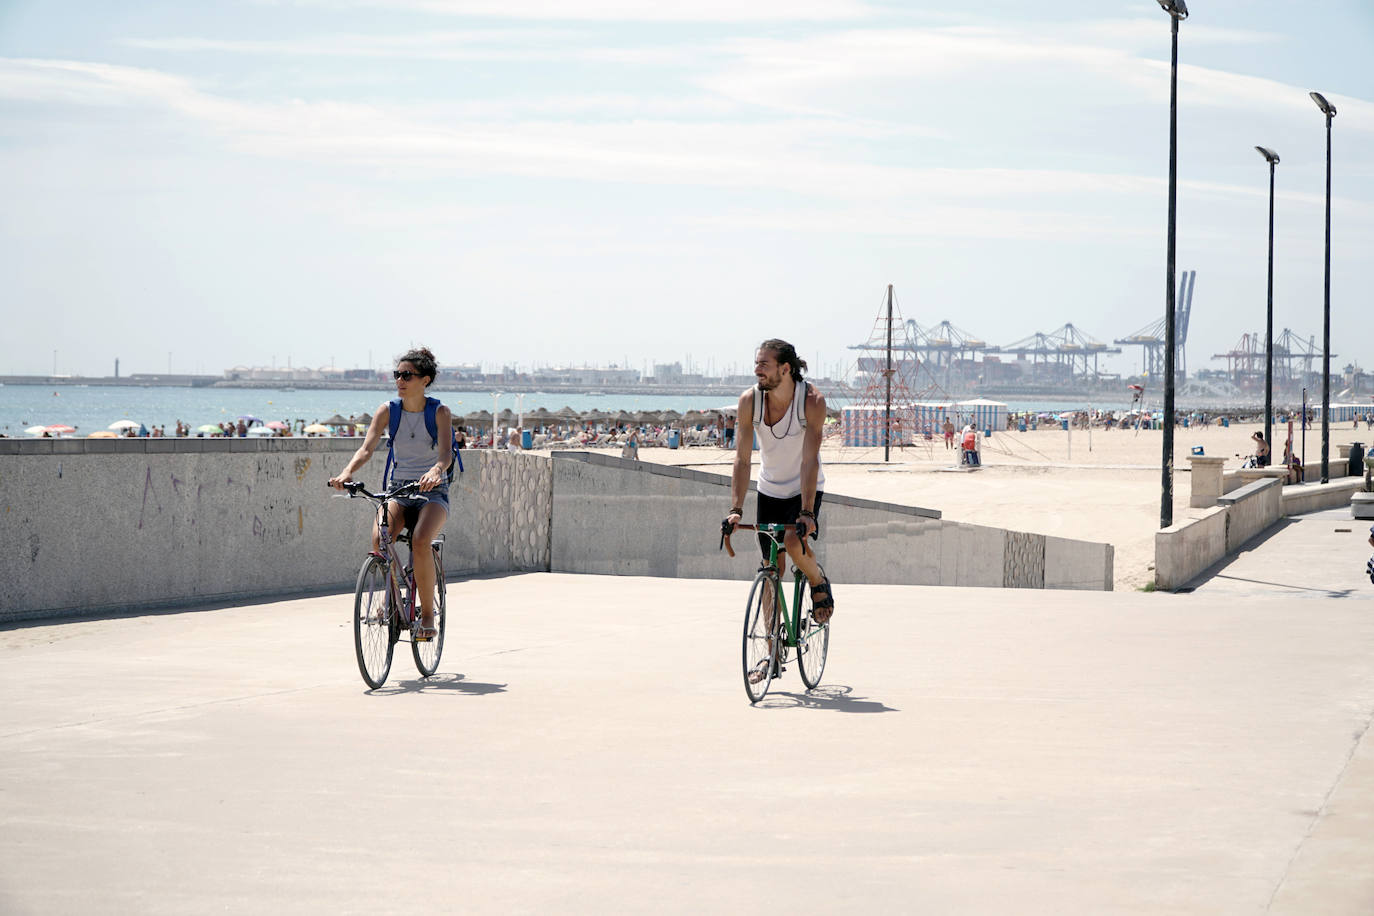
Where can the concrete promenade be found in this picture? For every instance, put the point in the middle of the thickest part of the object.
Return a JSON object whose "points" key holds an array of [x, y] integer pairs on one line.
{"points": [[588, 747]]}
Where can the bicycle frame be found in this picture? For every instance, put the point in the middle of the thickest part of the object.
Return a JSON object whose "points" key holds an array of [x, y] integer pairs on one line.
{"points": [[791, 618], [397, 573]]}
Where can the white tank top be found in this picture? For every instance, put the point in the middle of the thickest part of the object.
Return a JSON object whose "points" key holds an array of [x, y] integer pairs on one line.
{"points": [[780, 453]]}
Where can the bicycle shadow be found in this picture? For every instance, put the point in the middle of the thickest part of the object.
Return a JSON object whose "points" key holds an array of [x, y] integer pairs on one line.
{"points": [[439, 683], [836, 697]]}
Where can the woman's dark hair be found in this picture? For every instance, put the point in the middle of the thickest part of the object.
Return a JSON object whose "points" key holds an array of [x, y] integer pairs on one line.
{"points": [[422, 360], [784, 352]]}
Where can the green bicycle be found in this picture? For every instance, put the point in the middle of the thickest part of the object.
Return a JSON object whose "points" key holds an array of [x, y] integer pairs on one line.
{"points": [[769, 631]]}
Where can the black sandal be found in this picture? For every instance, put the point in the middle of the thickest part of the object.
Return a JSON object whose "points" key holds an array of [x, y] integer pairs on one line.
{"points": [[824, 606]]}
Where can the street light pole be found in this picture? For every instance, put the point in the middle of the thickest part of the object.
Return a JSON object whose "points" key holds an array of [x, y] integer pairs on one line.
{"points": [[495, 403], [1272, 158], [1330, 111], [1178, 11]]}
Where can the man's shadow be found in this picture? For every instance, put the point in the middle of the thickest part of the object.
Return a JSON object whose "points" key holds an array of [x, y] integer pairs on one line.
{"points": [[439, 683], [836, 697]]}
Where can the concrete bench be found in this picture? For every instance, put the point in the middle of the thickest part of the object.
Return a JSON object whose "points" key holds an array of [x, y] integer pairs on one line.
{"points": [[1362, 505]]}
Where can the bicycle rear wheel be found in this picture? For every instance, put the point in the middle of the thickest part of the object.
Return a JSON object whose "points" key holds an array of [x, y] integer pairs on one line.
{"points": [[373, 621], [762, 635], [813, 641], [428, 652]]}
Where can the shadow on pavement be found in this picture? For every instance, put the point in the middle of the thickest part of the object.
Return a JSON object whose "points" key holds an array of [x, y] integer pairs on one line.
{"points": [[1328, 592], [836, 697], [440, 683]]}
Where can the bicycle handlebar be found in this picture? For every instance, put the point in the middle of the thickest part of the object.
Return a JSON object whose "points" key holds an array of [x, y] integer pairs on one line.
{"points": [[771, 529], [358, 488]]}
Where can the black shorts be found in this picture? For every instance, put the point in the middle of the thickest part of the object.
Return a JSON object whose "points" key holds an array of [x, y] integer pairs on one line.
{"points": [[774, 511]]}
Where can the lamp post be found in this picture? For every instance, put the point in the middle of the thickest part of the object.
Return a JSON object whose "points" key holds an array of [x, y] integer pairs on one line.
{"points": [[1330, 111], [1178, 11], [1273, 159], [495, 403]]}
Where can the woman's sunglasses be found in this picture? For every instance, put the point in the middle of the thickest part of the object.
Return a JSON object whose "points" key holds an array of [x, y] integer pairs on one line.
{"points": [[405, 374]]}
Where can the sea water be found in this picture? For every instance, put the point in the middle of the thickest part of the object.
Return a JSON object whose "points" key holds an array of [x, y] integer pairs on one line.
{"points": [[92, 408]]}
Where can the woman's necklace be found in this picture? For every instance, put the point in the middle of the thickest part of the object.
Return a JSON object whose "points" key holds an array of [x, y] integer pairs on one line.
{"points": [[413, 418]]}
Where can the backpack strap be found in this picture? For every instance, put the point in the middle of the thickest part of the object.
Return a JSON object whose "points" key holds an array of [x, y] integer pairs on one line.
{"points": [[432, 425], [432, 420], [758, 406], [393, 417]]}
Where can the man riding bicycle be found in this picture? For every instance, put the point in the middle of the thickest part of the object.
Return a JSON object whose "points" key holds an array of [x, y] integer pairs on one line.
{"points": [[787, 415]]}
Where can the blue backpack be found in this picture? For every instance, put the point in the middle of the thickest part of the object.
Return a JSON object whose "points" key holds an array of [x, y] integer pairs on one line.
{"points": [[431, 425]]}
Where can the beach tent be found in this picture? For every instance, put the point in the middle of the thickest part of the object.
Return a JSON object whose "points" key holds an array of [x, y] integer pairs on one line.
{"points": [[984, 414], [864, 427]]}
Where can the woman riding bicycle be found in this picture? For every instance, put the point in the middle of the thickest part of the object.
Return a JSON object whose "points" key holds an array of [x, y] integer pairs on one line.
{"points": [[418, 459]]}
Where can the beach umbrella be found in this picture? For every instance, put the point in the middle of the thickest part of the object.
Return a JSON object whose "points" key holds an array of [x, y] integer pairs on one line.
{"points": [[60, 429], [318, 428], [364, 418], [336, 420], [103, 434], [542, 413], [209, 428], [250, 419], [121, 425], [276, 424], [36, 430], [669, 415], [568, 413], [260, 430], [507, 415]]}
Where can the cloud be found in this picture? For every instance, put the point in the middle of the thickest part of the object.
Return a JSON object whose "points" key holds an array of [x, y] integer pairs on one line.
{"points": [[723, 11]]}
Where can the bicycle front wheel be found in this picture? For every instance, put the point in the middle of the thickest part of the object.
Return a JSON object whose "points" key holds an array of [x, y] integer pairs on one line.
{"points": [[427, 653], [373, 620], [813, 641], [762, 636]]}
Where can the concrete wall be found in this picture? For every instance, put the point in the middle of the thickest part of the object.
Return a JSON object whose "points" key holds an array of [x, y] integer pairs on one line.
{"points": [[623, 517], [1183, 551], [1312, 497], [95, 526], [105, 525], [1251, 510]]}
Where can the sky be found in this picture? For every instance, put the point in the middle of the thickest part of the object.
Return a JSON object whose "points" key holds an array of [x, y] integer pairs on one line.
{"points": [[193, 186]]}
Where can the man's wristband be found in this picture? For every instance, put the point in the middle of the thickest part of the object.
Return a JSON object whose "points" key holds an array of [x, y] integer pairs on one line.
{"points": [[737, 510], [807, 513]]}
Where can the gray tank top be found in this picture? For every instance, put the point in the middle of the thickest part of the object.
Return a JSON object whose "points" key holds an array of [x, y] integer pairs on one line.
{"points": [[413, 450]]}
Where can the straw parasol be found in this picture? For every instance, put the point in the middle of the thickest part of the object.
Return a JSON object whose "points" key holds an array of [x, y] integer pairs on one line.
{"points": [[337, 420]]}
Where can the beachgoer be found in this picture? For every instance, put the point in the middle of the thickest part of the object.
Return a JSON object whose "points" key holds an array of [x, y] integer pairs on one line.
{"points": [[791, 422], [729, 430], [1261, 450], [948, 429], [418, 458], [969, 446], [462, 435]]}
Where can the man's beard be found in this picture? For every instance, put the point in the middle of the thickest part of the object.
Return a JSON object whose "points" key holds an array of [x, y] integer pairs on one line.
{"points": [[767, 384]]}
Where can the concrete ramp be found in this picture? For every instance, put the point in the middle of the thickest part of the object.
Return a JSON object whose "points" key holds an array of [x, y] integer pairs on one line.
{"points": [[587, 747]]}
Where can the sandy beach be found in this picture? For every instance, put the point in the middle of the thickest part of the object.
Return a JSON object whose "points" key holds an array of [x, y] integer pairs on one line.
{"points": [[1047, 481]]}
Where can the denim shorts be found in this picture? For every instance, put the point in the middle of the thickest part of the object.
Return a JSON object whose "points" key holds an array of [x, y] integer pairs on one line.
{"points": [[437, 495]]}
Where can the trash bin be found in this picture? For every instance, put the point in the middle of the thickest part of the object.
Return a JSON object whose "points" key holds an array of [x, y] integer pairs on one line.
{"points": [[1225, 422], [1064, 424], [526, 438], [1021, 427], [673, 438], [1356, 459]]}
